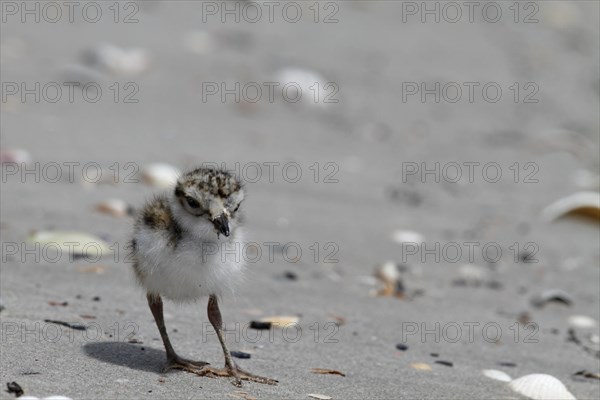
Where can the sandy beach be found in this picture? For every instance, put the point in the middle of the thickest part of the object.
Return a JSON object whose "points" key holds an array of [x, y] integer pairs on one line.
{"points": [[431, 141]]}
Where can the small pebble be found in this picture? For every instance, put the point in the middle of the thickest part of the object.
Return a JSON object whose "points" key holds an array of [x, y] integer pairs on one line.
{"points": [[260, 325], [507, 364], [446, 363], [15, 388], [96, 298], [290, 275], [436, 355], [240, 354], [402, 347]]}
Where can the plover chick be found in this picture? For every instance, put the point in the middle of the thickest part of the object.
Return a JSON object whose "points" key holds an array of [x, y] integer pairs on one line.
{"points": [[172, 235]]}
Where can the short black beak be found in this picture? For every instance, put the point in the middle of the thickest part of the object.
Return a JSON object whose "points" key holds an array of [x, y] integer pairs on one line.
{"points": [[221, 224]]}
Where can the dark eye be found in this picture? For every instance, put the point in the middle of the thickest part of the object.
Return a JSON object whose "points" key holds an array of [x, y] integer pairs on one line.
{"points": [[192, 202]]}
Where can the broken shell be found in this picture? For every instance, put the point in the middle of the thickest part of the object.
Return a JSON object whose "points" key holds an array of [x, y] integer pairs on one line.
{"points": [[389, 271], [319, 396], [581, 321], [306, 86], [390, 274], [401, 236], [115, 207], [280, 321], [116, 60], [161, 175], [74, 243], [471, 272], [585, 204], [541, 387], [553, 295], [497, 375], [421, 366]]}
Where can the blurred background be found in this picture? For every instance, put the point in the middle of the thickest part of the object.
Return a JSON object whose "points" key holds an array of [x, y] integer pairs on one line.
{"points": [[378, 137]]}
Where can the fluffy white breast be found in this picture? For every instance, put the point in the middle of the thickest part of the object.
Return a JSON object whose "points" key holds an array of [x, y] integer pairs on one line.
{"points": [[191, 268]]}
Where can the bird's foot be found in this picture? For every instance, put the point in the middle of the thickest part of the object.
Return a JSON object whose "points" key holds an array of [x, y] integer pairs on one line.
{"points": [[237, 374], [194, 367]]}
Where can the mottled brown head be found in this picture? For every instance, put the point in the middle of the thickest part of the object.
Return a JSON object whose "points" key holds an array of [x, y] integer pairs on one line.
{"points": [[210, 193]]}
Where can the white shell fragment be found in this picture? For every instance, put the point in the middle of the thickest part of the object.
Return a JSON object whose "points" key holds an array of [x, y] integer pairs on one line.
{"points": [[73, 243], [586, 204], [116, 60], [161, 175], [497, 375], [401, 236], [471, 272], [114, 207], [581, 321], [319, 396], [388, 272], [541, 387], [308, 87]]}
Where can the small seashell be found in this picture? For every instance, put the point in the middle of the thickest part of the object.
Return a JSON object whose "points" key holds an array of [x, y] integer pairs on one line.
{"points": [[15, 156], [584, 204], [161, 175], [115, 207], [497, 375], [401, 236], [552, 295], [74, 243], [471, 272], [307, 86], [581, 321], [421, 366], [319, 396], [116, 60], [541, 387], [390, 274], [280, 321]]}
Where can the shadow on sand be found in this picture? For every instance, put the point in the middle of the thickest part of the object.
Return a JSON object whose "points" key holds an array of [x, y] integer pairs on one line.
{"points": [[127, 355]]}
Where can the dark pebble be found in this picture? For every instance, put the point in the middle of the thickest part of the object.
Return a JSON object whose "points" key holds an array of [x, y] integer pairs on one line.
{"points": [[290, 275], [436, 355], [96, 298], [14, 387], [260, 325], [142, 348], [402, 347], [507, 364], [240, 354], [446, 363]]}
